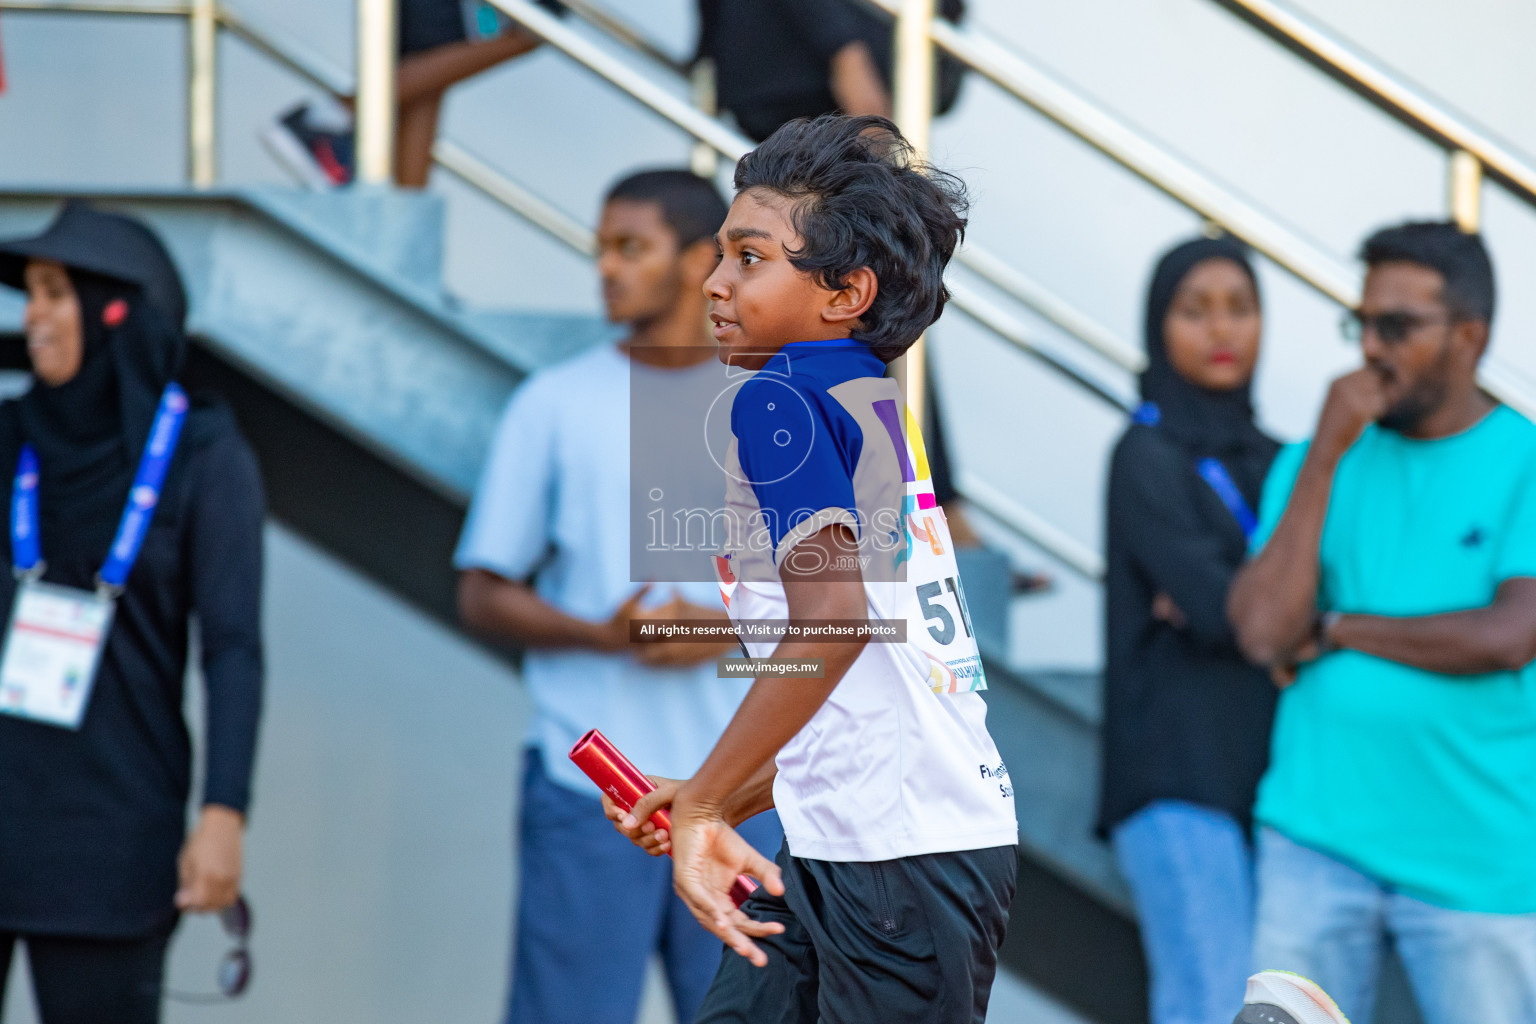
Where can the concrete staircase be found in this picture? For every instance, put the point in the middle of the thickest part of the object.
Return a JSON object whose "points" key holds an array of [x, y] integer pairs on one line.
{"points": [[334, 302]]}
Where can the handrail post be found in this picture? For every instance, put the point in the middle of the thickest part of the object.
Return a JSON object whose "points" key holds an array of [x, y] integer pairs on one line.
{"points": [[375, 91], [202, 93], [701, 90], [1464, 185], [913, 107], [914, 72]]}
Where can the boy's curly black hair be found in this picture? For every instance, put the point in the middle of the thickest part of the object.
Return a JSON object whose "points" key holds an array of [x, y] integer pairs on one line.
{"points": [[860, 198]]}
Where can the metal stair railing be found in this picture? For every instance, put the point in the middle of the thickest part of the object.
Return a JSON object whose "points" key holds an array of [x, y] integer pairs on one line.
{"points": [[1309, 263], [1472, 151], [451, 156], [446, 153], [1139, 154], [1009, 71], [1055, 542], [1176, 178], [1179, 180], [173, 8], [732, 145], [319, 72], [984, 264]]}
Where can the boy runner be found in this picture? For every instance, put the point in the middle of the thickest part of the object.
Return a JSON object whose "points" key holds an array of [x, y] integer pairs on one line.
{"points": [[545, 561], [891, 895]]}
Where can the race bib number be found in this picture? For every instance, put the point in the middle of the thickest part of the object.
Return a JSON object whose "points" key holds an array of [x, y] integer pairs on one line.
{"points": [[52, 650], [932, 601]]}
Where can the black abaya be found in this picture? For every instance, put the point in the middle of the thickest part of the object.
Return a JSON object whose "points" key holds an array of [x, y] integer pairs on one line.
{"points": [[91, 821], [1185, 716]]}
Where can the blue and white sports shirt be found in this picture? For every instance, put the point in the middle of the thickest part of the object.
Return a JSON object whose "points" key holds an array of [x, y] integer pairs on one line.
{"points": [[898, 761]]}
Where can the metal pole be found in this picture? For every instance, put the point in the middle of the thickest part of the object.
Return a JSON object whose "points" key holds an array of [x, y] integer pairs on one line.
{"points": [[701, 90], [913, 108], [1380, 86], [202, 85], [914, 72], [375, 92], [478, 175], [171, 8], [1464, 185]]}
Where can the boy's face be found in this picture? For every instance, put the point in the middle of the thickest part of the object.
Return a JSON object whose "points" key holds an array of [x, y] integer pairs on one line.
{"points": [[759, 301], [644, 274]]}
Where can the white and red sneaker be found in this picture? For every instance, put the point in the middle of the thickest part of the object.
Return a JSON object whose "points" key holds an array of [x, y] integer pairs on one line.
{"points": [[1280, 997]]}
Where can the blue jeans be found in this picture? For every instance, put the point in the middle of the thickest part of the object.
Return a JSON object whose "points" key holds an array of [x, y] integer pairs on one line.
{"points": [[1191, 875], [1324, 919], [592, 909]]}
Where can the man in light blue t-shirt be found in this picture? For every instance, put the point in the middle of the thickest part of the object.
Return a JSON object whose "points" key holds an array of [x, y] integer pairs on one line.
{"points": [[1393, 592], [546, 561]]}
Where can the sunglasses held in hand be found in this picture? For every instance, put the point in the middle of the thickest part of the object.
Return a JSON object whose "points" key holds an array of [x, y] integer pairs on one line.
{"points": [[235, 968]]}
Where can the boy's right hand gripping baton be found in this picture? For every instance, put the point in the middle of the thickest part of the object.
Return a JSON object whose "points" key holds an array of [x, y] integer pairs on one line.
{"points": [[617, 776]]}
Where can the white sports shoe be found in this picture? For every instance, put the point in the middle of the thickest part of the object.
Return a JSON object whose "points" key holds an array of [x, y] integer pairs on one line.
{"points": [[1280, 997]]}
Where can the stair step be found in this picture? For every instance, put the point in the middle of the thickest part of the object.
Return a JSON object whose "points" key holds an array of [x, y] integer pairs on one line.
{"points": [[398, 231]]}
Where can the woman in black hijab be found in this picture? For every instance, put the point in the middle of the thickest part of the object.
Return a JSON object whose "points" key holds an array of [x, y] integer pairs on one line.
{"points": [[96, 862], [1186, 719]]}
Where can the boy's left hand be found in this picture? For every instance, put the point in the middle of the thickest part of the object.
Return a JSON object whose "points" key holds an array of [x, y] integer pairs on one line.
{"points": [[708, 855]]}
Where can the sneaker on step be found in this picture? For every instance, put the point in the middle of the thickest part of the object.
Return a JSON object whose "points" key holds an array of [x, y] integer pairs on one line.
{"points": [[318, 157], [1280, 997]]}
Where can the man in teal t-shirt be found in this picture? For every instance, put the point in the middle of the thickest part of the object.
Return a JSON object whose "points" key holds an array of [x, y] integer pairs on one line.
{"points": [[1393, 592]]}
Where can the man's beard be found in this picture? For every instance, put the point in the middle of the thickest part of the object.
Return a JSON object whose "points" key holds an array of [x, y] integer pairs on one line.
{"points": [[1405, 416], [1423, 400], [661, 301]]}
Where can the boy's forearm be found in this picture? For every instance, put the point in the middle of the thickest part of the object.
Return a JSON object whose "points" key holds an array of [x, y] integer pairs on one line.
{"points": [[773, 711], [753, 798], [778, 707]]}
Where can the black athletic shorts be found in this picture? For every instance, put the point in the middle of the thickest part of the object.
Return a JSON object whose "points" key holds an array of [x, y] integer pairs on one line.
{"points": [[908, 941], [428, 24]]}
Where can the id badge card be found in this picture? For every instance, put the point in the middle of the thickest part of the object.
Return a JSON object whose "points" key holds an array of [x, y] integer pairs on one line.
{"points": [[52, 650]]}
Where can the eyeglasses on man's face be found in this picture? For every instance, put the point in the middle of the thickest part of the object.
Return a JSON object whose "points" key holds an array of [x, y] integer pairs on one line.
{"points": [[1392, 327]]}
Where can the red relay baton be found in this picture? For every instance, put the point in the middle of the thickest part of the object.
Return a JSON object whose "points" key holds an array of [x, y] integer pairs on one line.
{"points": [[617, 776]]}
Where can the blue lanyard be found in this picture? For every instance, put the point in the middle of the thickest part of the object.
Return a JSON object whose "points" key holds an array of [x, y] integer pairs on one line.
{"points": [[1215, 474], [143, 496], [1212, 472]]}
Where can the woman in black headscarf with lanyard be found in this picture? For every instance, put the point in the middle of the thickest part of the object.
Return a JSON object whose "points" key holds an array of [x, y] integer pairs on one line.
{"points": [[1186, 719], [133, 512]]}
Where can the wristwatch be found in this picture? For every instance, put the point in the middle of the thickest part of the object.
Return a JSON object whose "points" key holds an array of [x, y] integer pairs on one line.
{"points": [[1322, 630]]}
